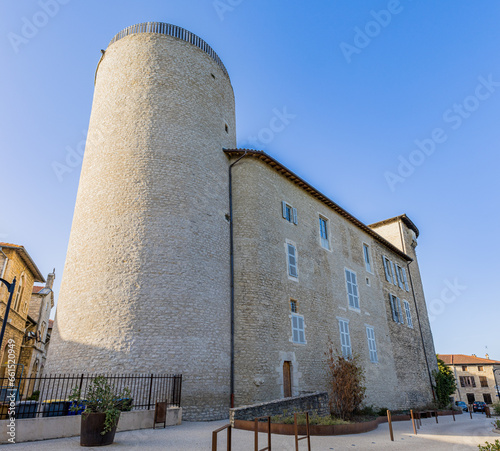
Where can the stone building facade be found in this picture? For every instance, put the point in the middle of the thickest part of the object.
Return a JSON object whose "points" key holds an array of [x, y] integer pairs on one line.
{"points": [[182, 259], [37, 333], [16, 262], [475, 377]]}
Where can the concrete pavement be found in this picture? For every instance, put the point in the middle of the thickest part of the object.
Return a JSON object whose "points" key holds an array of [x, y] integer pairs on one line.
{"points": [[464, 434]]}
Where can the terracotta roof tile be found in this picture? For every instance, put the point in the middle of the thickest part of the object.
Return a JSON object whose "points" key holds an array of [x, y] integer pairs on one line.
{"points": [[462, 359]]}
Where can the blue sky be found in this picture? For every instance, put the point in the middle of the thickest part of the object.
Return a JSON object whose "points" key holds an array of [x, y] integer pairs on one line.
{"points": [[391, 110]]}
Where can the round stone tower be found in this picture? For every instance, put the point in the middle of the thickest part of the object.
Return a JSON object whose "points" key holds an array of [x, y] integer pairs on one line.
{"points": [[146, 284]]}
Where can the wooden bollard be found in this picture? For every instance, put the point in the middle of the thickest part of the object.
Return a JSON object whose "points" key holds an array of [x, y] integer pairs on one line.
{"points": [[470, 410], [413, 422], [389, 420], [453, 413], [436, 414]]}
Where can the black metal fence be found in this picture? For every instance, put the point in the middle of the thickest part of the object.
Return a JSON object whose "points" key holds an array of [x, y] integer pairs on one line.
{"points": [[47, 395]]}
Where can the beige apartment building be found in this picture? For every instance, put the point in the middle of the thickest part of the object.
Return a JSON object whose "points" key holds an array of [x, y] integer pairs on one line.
{"points": [[476, 377], [16, 262]]}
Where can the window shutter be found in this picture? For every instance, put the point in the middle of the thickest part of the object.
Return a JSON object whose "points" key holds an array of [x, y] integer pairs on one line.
{"points": [[292, 261], [386, 268], [400, 312], [295, 216], [405, 279], [283, 208], [393, 308]]}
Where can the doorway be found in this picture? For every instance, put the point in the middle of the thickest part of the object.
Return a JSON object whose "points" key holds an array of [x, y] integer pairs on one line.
{"points": [[287, 379]]}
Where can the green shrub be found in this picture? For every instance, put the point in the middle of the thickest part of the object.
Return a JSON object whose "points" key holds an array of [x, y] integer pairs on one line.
{"points": [[34, 396], [496, 407], [369, 411], [490, 446], [445, 384], [496, 423], [313, 419], [382, 412]]}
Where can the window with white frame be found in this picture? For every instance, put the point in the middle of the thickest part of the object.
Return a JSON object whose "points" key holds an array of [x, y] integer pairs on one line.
{"points": [[397, 314], [323, 232], [352, 288], [289, 213], [292, 260], [367, 257], [345, 338], [395, 274], [409, 321], [388, 269], [298, 333], [372, 345]]}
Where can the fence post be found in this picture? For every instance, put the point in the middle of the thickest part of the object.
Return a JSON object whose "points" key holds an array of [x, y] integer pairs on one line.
{"points": [[470, 410], [150, 391], [389, 420], [436, 413], [453, 413], [413, 422]]}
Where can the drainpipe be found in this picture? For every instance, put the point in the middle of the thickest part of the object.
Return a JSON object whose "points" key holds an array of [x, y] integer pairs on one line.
{"points": [[403, 244], [231, 253]]}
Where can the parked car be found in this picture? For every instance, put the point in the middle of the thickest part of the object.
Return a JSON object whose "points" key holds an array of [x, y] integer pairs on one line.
{"points": [[462, 405], [478, 406]]}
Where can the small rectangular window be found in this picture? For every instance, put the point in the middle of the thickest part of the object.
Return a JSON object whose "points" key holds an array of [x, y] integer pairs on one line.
{"points": [[352, 288], [323, 232], [464, 368], [345, 338], [292, 261], [480, 368], [298, 333], [366, 254], [483, 380], [409, 321], [293, 306], [289, 213], [372, 345]]}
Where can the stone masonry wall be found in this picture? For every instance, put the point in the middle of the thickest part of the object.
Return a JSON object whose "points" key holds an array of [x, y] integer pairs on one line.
{"points": [[264, 289], [314, 402]]}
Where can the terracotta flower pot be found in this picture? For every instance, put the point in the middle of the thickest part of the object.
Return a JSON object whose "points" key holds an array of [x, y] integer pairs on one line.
{"points": [[91, 427]]}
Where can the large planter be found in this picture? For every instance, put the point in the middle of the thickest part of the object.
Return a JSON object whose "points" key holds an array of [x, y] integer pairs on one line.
{"points": [[91, 427]]}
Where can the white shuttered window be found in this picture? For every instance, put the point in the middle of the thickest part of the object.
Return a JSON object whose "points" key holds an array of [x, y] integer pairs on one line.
{"points": [[372, 345], [345, 338], [298, 333], [352, 288]]}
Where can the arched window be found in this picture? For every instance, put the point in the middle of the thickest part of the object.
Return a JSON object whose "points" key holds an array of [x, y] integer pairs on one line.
{"points": [[20, 292]]}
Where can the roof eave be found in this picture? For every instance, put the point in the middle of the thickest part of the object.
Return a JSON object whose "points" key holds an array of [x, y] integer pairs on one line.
{"points": [[314, 192]]}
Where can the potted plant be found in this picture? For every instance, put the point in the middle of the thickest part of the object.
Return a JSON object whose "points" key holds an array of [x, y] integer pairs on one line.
{"points": [[102, 411]]}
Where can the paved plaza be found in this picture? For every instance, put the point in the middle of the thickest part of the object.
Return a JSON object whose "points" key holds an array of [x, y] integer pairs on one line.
{"points": [[461, 435]]}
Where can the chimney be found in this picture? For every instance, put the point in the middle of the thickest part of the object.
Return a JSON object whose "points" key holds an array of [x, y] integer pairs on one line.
{"points": [[50, 279], [474, 355], [488, 356]]}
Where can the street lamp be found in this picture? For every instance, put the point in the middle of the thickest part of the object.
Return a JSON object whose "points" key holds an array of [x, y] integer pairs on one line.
{"points": [[496, 383], [10, 289]]}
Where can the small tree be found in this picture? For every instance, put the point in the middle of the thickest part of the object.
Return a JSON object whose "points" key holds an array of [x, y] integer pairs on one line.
{"points": [[346, 377], [445, 384]]}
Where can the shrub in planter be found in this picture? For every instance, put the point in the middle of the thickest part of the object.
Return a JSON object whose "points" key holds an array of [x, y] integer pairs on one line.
{"points": [[496, 423], [102, 411]]}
